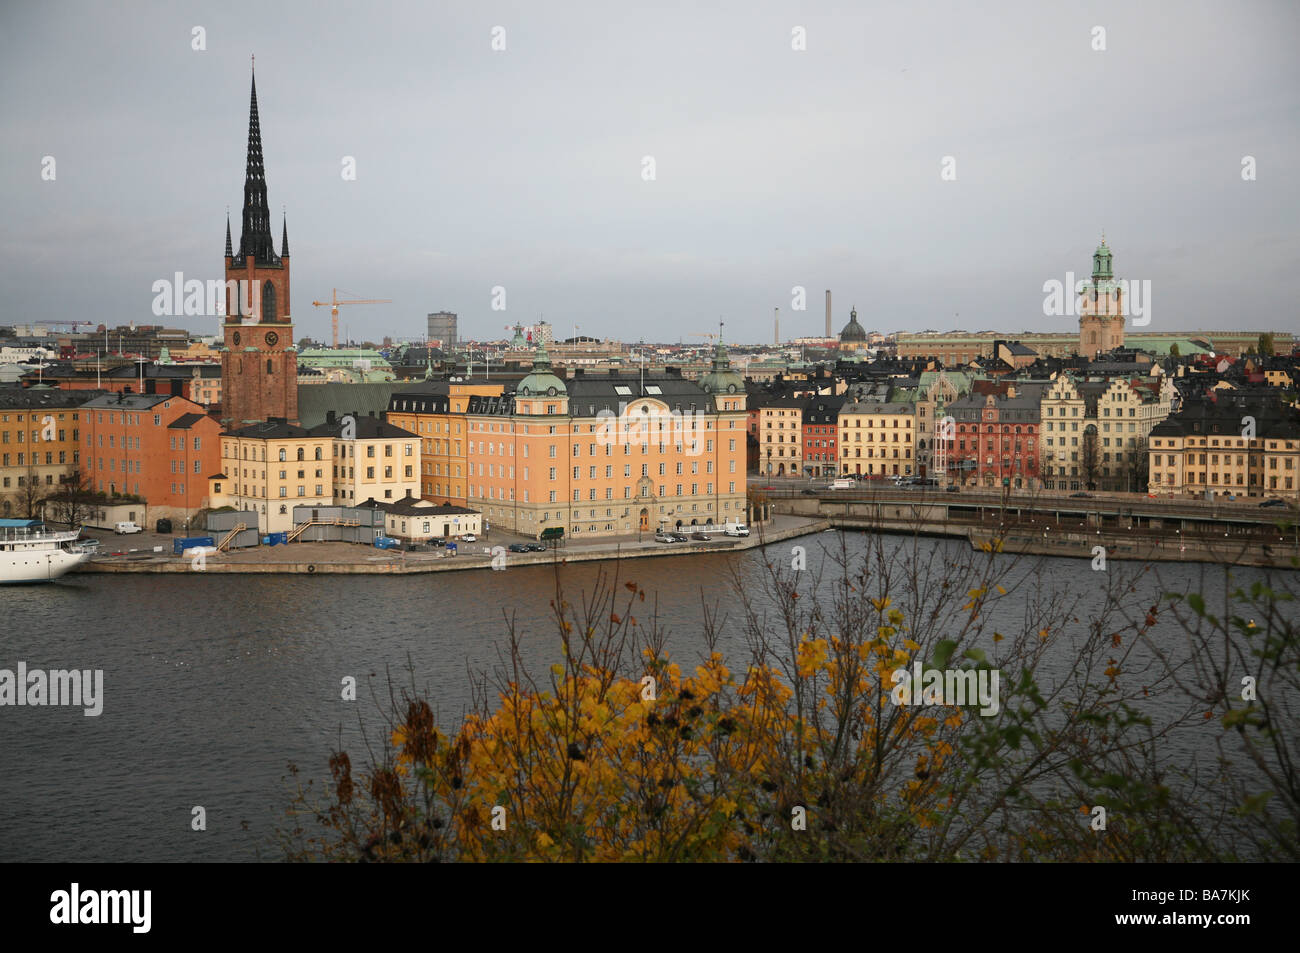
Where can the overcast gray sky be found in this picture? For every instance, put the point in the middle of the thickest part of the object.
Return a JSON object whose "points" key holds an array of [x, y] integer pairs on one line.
{"points": [[774, 168]]}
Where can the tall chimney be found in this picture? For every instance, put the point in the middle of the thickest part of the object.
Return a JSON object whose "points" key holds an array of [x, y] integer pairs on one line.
{"points": [[828, 312], [776, 327]]}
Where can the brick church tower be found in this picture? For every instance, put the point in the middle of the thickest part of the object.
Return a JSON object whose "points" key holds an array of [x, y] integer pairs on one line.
{"points": [[1101, 307], [259, 363]]}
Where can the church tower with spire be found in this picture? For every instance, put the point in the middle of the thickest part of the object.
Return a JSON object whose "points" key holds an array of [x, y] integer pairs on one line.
{"points": [[259, 363]]}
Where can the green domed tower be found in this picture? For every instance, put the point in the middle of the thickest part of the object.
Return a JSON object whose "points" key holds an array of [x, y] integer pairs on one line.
{"points": [[1101, 307], [541, 392], [722, 379]]}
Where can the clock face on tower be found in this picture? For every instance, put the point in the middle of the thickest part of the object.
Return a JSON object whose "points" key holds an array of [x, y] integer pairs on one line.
{"points": [[235, 338], [272, 339]]}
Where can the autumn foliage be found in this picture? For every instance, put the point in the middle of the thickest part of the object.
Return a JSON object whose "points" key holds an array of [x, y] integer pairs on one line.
{"points": [[621, 752]]}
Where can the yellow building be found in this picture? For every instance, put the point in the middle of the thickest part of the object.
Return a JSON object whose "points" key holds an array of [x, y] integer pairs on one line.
{"points": [[372, 459], [1240, 447], [877, 439], [271, 467], [780, 437], [1095, 433], [40, 432]]}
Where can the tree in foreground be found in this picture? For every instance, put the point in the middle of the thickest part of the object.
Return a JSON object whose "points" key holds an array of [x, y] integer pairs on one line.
{"points": [[806, 749]]}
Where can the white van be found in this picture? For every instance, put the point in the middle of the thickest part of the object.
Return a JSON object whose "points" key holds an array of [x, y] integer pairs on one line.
{"points": [[126, 528], [737, 529], [844, 483]]}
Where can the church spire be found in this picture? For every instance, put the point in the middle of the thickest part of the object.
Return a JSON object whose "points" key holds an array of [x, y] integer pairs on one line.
{"points": [[284, 239], [229, 250], [256, 238]]}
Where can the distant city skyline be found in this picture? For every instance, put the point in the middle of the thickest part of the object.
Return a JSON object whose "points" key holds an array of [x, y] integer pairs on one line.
{"points": [[522, 169]]}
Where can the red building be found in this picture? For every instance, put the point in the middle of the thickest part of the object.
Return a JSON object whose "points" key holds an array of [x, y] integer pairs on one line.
{"points": [[820, 421], [996, 439], [155, 446]]}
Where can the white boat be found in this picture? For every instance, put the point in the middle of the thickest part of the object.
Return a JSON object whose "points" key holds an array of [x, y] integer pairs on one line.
{"points": [[38, 554]]}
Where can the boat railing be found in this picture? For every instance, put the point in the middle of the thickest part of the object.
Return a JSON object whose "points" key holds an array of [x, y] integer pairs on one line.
{"points": [[26, 534]]}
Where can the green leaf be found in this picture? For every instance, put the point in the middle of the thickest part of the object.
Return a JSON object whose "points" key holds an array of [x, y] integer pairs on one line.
{"points": [[1196, 602], [942, 652]]}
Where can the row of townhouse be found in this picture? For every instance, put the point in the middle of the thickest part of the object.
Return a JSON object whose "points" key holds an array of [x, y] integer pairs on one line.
{"points": [[827, 436], [883, 429], [1066, 433]]}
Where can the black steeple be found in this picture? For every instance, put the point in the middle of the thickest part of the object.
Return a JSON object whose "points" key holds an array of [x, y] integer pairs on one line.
{"points": [[229, 250], [284, 239], [256, 238]]}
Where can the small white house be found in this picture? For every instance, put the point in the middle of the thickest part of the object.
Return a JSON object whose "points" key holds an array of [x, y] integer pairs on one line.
{"points": [[418, 520]]}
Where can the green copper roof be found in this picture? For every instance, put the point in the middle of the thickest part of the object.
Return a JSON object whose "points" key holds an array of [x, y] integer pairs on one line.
{"points": [[541, 380], [722, 379]]}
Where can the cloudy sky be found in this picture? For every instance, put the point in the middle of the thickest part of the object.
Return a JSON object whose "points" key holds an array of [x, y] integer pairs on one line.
{"points": [[523, 168]]}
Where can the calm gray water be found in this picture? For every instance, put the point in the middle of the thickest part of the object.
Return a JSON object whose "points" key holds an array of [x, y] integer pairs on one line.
{"points": [[214, 683]]}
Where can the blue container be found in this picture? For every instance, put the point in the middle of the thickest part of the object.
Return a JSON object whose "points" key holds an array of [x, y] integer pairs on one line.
{"points": [[385, 542], [180, 545]]}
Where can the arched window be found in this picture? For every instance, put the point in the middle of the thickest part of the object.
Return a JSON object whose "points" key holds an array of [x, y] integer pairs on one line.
{"points": [[268, 366], [283, 457], [283, 509], [268, 301], [301, 456], [318, 454]]}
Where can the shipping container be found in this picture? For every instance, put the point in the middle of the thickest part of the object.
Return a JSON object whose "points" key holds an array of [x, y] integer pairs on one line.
{"points": [[180, 545]]}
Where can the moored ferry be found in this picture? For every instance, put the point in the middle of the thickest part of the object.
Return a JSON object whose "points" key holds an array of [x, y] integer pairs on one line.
{"points": [[31, 552]]}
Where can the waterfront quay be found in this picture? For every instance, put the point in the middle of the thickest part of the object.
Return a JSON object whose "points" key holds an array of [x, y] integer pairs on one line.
{"points": [[152, 553], [1131, 526]]}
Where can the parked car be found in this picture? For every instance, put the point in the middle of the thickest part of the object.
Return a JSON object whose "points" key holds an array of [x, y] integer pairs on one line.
{"points": [[437, 541], [125, 528], [737, 529], [809, 492], [1081, 496], [665, 538], [1273, 503], [952, 488], [89, 544], [470, 538], [535, 547], [702, 537], [518, 547], [844, 483]]}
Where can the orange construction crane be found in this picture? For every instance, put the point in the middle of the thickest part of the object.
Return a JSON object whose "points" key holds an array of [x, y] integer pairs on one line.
{"points": [[333, 305]]}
